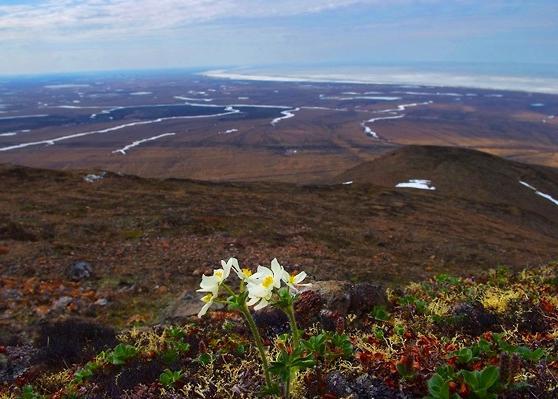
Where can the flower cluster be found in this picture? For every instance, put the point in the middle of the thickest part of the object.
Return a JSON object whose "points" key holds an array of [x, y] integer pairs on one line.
{"points": [[260, 286]]}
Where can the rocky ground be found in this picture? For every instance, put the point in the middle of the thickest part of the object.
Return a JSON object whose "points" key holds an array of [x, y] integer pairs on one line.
{"points": [[485, 337]]}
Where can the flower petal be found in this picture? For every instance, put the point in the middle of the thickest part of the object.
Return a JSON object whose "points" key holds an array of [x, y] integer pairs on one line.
{"points": [[263, 303], [299, 277]]}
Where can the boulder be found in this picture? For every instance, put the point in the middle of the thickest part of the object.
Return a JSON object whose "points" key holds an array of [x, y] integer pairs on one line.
{"points": [[473, 318], [188, 304], [344, 297]]}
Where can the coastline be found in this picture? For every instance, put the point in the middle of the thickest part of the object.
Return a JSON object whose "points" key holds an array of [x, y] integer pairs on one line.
{"points": [[403, 79]]}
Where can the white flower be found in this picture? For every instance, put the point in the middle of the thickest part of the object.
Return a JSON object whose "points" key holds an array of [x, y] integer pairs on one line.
{"points": [[208, 299], [261, 284], [211, 284], [243, 273], [260, 291], [295, 280]]}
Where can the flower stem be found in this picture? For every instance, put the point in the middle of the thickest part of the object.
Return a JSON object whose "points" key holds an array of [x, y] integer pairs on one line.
{"points": [[259, 343], [294, 327]]}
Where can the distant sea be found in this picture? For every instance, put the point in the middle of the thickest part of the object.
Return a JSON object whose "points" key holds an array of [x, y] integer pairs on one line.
{"points": [[536, 78]]}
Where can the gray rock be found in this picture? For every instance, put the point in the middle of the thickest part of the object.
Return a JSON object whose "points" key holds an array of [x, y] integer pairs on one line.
{"points": [[336, 295], [345, 297], [61, 303], [364, 296], [339, 385], [80, 270], [187, 305], [363, 387], [101, 302]]}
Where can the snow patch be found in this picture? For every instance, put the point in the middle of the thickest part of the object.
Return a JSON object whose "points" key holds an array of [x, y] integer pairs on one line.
{"points": [[141, 93], [376, 98], [182, 98], [138, 142], [92, 178], [66, 86], [5, 118], [346, 183], [394, 115], [228, 111], [14, 133], [286, 115], [417, 183], [229, 131], [546, 196]]}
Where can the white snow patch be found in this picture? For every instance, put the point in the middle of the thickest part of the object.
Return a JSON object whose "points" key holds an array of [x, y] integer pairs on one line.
{"points": [[243, 98], [537, 105], [92, 178], [66, 86], [141, 93], [346, 183], [192, 99], [229, 131], [4, 118], [14, 133], [394, 115], [417, 183], [138, 142], [229, 110], [546, 196], [377, 98], [286, 115]]}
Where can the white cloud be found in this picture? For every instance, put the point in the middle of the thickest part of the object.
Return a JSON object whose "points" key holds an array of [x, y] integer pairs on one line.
{"points": [[60, 17]]}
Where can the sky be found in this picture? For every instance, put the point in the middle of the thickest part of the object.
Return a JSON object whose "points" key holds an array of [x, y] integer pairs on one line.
{"points": [[54, 36]]}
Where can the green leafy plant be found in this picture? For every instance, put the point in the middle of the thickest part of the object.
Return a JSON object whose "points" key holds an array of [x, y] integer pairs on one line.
{"points": [[524, 352], [484, 384], [121, 354], [438, 388], [85, 372], [28, 392], [175, 346], [204, 359], [169, 378], [380, 313], [288, 362], [411, 300]]}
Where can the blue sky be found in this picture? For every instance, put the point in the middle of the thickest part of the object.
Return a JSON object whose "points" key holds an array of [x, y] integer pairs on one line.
{"points": [[38, 36]]}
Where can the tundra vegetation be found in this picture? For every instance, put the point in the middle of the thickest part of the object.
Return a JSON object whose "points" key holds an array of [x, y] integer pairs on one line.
{"points": [[491, 336]]}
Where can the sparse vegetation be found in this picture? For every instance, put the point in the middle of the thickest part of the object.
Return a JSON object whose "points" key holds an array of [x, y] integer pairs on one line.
{"points": [[407, 347]]}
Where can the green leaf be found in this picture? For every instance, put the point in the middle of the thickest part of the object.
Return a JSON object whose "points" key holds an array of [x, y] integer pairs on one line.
{"points": [[438, 387], [204, 359], [168, 378], [489, 376], [380, 313]]}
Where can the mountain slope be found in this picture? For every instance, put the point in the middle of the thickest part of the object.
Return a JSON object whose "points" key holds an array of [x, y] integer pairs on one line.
{"points": [[464, 173], [149, 239]]}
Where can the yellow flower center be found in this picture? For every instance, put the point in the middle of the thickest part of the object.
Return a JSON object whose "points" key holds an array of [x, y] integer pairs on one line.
{"points": [[247, 272], [292, 279], [267, 281], [207, 298], [218, 274]]}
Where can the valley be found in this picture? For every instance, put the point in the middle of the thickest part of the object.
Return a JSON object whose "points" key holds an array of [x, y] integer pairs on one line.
{"points": [[233, 130]]}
